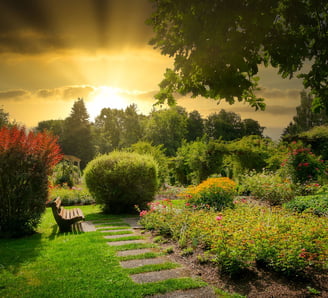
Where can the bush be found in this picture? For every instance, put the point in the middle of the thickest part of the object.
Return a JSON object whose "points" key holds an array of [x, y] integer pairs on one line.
{"points": [[196, 161], [120, 180], [316, 204], [248, 234], [303, 166], [25, 163], [71, 196], [216, 193], [158, 153], [268, 187], [66, 173]]}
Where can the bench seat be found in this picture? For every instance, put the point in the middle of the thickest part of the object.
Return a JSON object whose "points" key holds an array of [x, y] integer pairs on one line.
{"points": [[65, 217]]}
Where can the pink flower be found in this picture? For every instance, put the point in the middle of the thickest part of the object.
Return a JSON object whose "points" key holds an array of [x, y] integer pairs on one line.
{"points": [[305, 164], [143, 212], [218, 218], [187, 204]]}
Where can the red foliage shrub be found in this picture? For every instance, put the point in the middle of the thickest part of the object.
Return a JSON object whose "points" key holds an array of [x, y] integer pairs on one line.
{"points": [[26, 160]]}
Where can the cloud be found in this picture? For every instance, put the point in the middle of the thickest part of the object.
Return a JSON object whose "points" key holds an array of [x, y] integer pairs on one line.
{"points": [[34, 27], [275, 93], [75, 92], [13, 94], [66, 93], [47, 93]]}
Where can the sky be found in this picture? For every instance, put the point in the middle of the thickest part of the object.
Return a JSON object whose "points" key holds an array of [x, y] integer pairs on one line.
{"points": [[55, 51]]}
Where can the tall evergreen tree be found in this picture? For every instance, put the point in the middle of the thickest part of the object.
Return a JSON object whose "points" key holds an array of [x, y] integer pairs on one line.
{"points": [[77, 138], [305, 118]]}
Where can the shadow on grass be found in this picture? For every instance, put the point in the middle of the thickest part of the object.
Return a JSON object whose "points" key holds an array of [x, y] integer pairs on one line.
{"points": [[105, 216], [75, 229], [14, 252]]}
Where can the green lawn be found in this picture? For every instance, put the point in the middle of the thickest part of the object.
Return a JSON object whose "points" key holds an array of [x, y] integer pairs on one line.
{"points": [[49, 264]]}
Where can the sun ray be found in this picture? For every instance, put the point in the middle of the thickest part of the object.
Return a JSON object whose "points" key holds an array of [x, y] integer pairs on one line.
{"points": [[105, 97]]}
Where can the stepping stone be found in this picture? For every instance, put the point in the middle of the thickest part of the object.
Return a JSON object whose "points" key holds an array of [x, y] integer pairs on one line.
{"points": [[206, 292], [133, 252], [118, 243], [111, 227], [110, 223], [119, 236], [87, 226], [114, 231], [143, 262], [159, 275], [133, 222]]}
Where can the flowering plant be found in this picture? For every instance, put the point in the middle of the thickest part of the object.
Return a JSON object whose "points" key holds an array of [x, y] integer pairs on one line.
{"points": [[268, 187], [303, 165], [215, 193]]}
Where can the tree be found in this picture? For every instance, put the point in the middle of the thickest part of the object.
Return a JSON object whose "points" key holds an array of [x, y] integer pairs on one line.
{"points": [[77, 138], [195, 126], [4, 118], [56, 127], [167, 127], [109, 125], [252, 127], [217, 46], [132, 130], [224, 125], [305, 118]]}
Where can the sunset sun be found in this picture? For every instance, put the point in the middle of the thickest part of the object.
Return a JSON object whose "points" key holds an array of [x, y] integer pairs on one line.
{"points": [[105, 97]]}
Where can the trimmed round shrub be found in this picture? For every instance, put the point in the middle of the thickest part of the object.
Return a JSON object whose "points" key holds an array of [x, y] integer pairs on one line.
{"points": [[26, 160], [120, 180]]}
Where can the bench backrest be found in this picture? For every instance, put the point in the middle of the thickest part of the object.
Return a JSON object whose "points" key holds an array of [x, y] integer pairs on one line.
{"points": [[56, 208]]}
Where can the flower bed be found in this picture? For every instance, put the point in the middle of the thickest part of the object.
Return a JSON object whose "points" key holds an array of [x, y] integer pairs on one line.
{"points": [[248, 234]]}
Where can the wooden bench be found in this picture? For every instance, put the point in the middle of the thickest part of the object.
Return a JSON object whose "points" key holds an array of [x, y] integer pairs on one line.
{"points": [[65, 217]]}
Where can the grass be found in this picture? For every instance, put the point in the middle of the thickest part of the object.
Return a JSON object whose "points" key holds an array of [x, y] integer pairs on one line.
{"points": [[49, 264]]}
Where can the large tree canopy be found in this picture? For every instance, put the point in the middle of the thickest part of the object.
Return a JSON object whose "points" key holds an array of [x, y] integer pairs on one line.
{"points": [[218, 45]]}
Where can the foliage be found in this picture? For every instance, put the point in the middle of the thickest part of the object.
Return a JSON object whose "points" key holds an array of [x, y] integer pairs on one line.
{"points": [[4, 118], [120, 180], [157, 152], [167, 127], [26, 161], [217, 46], [195, 161], [248, 234], [229, 126], [66, 173], [316, 204], [247, 154], [317, 138], [195, 126], [116, 129], [216, 193], [267, 186], [304, 166], [71, 196], [56, 127], [77, 134], [305, 118]]}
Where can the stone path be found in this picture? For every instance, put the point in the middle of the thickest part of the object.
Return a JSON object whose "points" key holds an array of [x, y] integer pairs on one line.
{"points": [[125, 231]]}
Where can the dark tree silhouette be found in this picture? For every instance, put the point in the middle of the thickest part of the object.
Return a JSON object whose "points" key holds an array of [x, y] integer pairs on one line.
{"points": [[217, 46]]}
